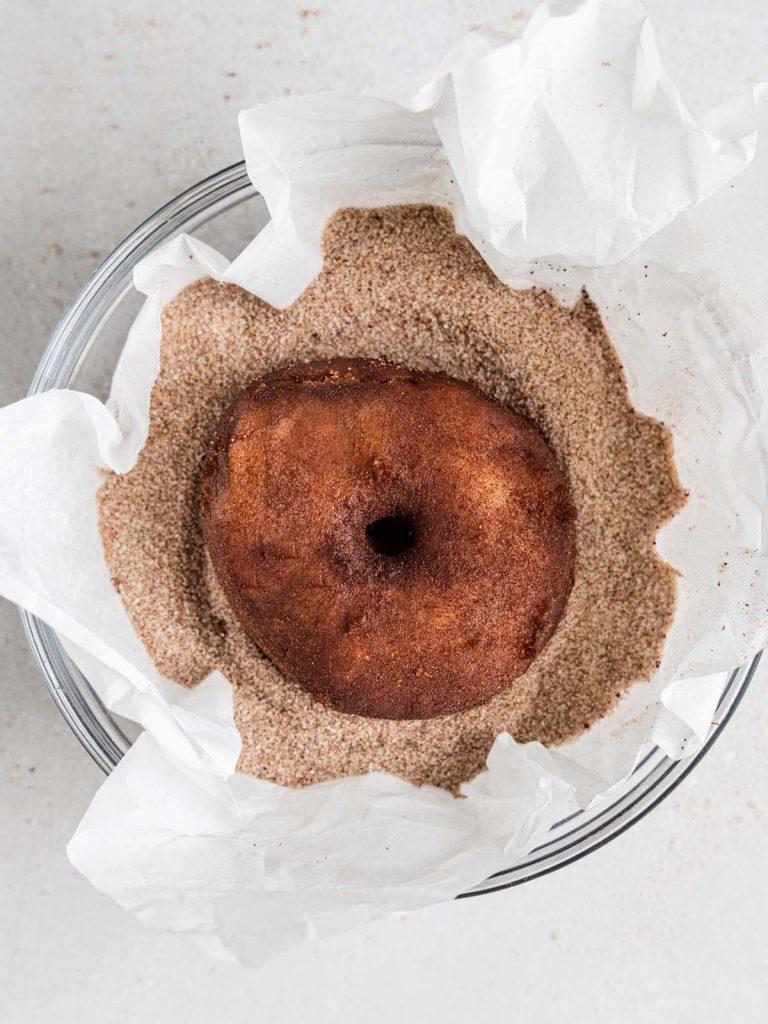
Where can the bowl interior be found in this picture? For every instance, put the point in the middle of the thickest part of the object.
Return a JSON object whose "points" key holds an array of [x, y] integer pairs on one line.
{"points": [[225, 211]]}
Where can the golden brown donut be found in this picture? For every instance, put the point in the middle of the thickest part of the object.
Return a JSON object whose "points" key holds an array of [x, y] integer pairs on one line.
{"points": [[395, 541]]}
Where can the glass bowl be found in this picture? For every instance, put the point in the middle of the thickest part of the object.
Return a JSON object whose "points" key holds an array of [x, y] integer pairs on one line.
{"points": [[226, 211]]}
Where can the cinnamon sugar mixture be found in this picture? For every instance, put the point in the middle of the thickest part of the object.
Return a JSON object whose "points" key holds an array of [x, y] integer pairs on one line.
{"points": [[398, 283]]}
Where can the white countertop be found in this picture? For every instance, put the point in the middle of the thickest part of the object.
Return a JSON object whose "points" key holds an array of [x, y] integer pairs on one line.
{"points": [[108, 110]]}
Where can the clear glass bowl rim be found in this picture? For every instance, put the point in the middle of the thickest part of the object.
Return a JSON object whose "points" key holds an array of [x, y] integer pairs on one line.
{"points": [[654, 778]]}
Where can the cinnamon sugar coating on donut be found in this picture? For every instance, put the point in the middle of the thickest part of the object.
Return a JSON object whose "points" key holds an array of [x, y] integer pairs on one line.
{"points": [[400, 284], [398, 543]]}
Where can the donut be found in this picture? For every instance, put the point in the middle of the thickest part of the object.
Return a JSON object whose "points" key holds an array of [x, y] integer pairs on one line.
{"points": [[395, 541]]}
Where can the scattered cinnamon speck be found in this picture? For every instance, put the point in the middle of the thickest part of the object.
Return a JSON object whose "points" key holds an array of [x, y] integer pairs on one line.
{"points": [[305, 14], [754, 807], [55, 249]]}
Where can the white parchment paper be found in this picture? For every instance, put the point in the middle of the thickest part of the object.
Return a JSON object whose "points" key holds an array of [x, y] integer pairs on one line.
{"points": [[569, 160]]}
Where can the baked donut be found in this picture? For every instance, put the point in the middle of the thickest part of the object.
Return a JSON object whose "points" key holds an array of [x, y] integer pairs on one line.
{"points": [[397, 542]]}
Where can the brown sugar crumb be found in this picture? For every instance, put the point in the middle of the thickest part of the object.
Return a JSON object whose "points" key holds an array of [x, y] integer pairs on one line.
{"points": [[398, 283]]}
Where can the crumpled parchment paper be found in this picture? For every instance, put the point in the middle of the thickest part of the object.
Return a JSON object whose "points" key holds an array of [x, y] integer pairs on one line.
{"points": [[569, 160]]}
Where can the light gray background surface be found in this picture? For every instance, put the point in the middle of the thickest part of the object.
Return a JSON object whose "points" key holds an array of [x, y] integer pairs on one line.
{"points": [[106, 111]]}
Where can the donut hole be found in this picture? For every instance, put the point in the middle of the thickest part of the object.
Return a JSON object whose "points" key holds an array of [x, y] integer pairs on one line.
{"points": [[390, 535]]}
